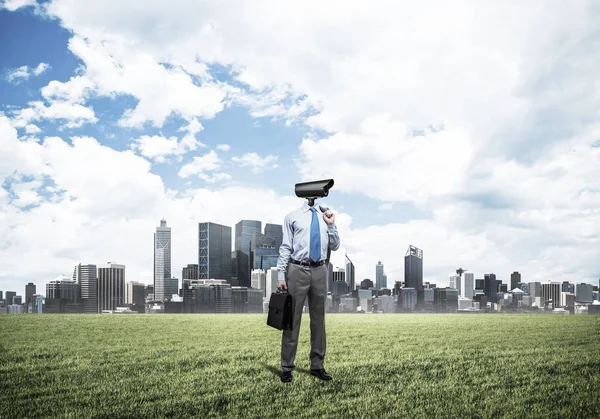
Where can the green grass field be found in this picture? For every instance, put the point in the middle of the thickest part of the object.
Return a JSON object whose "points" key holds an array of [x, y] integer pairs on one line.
{"points": [[396, 365]]}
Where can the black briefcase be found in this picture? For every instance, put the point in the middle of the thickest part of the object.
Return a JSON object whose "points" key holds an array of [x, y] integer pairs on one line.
{"points": [[281, 311]]}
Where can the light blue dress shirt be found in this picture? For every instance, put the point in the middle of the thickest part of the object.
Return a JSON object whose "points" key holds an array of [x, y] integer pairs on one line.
{"points": [[296, 238]]}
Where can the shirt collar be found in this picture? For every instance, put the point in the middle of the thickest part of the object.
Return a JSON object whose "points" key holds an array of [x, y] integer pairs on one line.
{"points": [[306, 207]]}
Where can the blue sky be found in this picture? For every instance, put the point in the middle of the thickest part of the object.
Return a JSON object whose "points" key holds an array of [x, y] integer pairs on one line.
{"points": [[474, 146]]}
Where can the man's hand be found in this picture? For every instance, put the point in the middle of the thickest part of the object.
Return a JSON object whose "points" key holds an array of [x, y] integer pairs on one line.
{"points": [[329, 217], [281, 285]]}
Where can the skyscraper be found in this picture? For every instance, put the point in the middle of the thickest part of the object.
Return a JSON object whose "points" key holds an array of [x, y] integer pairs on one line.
{"points": [[9, 297], [29, 291], [189, 272], [214, 251], [467, 285], [275, 231], [135, 293], [490, 287], [379, 275], [263, 251], [111, 286], [162, 259], [551, 292], [515, 278], [244, 230], [413, 268], [454, 282], [63, 288], [350, 274], [86, 277]]}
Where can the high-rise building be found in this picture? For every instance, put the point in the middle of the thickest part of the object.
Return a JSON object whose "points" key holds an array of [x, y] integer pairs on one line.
{"points": [[454, 283], [135, 293], [379, 276], [515, 278], [171, 287], [259, 280], [272, 280], [18, 300], [9, 297], [413, 268], [214, 251], [263, 251], [350, 274], [244, 231], [535, 289], [111, 286], [384, 280], [568, 287], [366, 284], [490, 287], [87, 278], [149, 291], [275, 231], [584, 293], [29, 291], [189, 272], [162, 259], [466, 286], [479, 285], [551, 292], [1, 296], [63, 288]]}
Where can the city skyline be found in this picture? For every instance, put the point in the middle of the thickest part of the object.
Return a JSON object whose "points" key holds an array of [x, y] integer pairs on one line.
{"points": [[481, 161]]}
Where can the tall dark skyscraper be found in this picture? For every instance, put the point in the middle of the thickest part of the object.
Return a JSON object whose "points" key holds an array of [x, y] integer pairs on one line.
{"points": [[86, 277], [413, 268], [350, 279], [515, 278], [379, 276], [490, 287], [261, 245], [162, 261], [9, 297], [244, 230], [29, 291], [214, 251], [111, 286], [275, 231]]}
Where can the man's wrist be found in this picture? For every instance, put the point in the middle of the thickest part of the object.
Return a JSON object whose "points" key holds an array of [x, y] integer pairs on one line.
{"points": [[331, 227], [281, 277]]}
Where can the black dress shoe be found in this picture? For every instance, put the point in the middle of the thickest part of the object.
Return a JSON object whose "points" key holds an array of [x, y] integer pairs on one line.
{"points": [[286, 376], [321, 374]]}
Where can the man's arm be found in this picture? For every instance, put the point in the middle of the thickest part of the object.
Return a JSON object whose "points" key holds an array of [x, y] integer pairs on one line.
{"points": [[285, 250], [334, 237]]}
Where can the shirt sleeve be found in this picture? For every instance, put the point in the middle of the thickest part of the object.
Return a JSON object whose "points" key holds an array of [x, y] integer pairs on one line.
{"points": [[334, 237], [286, 249]]}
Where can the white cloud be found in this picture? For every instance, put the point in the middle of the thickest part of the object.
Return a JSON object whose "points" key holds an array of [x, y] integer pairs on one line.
{"points": [[201, 166], [223, 147], [160, 148], [465, 110], [32, 129], [73, 114], [386, 206], [24, 73], [256, 162], [13, 5]]}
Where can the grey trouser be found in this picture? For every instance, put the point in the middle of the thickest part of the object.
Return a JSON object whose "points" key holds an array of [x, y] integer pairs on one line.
{"points": [[303, 281]]}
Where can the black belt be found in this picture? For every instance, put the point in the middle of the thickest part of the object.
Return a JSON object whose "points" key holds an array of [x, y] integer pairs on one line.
{"points": [[309, 263]]}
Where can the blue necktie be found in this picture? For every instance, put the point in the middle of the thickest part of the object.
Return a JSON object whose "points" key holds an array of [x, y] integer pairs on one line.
{"points": [[315, 237]]}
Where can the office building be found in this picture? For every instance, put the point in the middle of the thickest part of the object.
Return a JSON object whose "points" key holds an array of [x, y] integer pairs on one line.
{"points": [[407, 300], [171, 288], [18, 300], [350, 274], [535, 289], [566, 286], [584, 293], [379, 276], [63, 288], [551, 293], [29, 291], [515, 279], [86, 277], [259, 281], [275, 231], [9, 297], [135, 293], [479, 285], [413, 268], [189, 272], [244, 231], [271, 282], [467, 285], [1, 296], [149, 292], [162, 260], [454, 282], [490, 287], [111, 286], [214, 251], [246, 300], [366, 284]]}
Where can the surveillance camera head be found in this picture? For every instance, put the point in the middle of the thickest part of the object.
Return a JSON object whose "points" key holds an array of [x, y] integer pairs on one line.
{"points": [[313, 190]]}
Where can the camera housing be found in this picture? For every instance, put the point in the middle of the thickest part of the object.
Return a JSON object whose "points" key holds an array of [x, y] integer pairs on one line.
{"points": [[313, 190]]}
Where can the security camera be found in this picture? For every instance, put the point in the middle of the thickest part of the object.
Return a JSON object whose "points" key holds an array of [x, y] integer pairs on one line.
{"points": [[313, 190]]}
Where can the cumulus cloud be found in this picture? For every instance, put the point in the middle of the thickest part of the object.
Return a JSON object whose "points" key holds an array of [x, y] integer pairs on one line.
{"points": [[24, 72], [483, 121], [160, 148], [223, 147], [73, 115], [256, 162]]}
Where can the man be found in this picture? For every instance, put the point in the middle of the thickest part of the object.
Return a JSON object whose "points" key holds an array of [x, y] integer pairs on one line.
{"points": [[307, 234]]}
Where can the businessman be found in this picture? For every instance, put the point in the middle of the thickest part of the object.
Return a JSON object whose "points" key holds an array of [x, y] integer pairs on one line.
{"points": [[307, 234]]}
